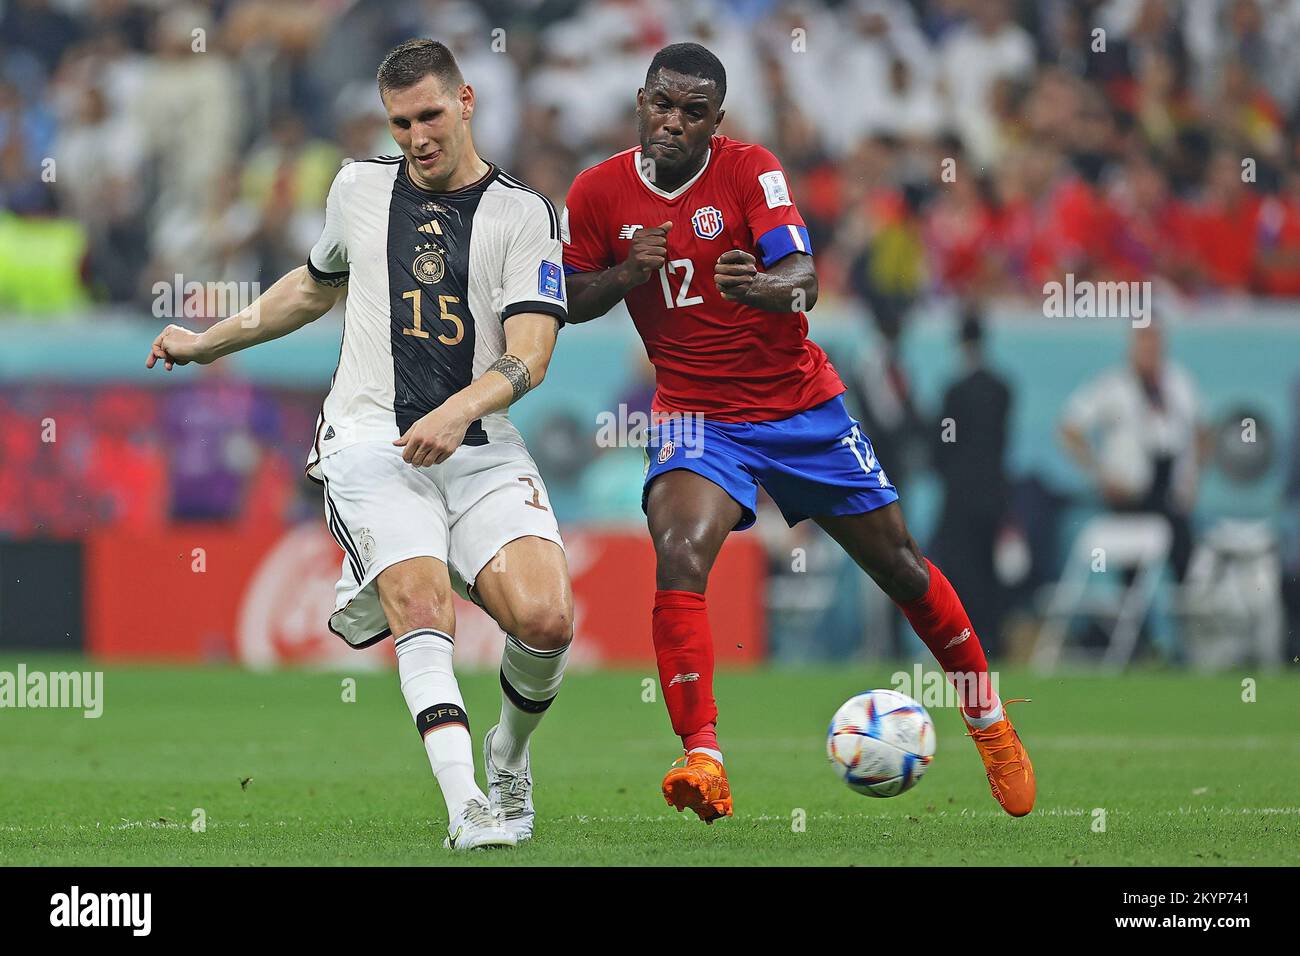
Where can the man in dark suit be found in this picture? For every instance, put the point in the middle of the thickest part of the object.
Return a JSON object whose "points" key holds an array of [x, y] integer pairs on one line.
{"points": [[969, 454]]}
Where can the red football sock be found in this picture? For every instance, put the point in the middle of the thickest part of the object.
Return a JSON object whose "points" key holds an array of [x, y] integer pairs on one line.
{"points": [[941, 622], [684, 649]]}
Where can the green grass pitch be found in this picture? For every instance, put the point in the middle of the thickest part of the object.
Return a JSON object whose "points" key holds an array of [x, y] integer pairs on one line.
{"points": [[286, 772]]}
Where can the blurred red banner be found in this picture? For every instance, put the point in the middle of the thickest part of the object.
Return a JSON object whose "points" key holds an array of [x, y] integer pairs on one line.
{"points": [[261, 598]]}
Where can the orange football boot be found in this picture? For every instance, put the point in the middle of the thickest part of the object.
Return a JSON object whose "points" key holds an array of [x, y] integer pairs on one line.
{"points": [[699, 782], [1011, 775]]}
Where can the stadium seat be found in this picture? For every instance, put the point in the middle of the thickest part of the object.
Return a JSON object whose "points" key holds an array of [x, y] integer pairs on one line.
{"points": [[1110, 545]]}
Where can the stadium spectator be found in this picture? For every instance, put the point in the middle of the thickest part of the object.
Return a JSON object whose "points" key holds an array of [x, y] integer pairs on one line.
{"points": [[969, 454], [188, 97], [956, 227], [1225, 226], [27, 133], [38, 27], [973, 58], [1278, 264], [1022, 94], [197, 138], [1136, 431]]}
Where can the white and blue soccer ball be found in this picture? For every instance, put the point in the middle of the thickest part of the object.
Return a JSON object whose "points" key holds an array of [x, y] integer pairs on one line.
{"points": [[881, 742]]}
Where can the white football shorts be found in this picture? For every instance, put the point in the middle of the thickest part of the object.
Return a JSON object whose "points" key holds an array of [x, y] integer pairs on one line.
{"points": [[381, 511]]}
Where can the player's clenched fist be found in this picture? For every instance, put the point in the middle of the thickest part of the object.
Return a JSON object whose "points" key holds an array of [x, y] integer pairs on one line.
{"points": [[649, 252], [734, 273], [432, 439], [178, 346]]}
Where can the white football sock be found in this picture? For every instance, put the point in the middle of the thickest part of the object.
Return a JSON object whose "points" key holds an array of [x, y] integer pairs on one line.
{"points": [[424, 664], [715, 754], [530, 679], [988, 720]]}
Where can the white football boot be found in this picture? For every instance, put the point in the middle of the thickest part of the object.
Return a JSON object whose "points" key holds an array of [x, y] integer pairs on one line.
{"points": [[510, 793], [475, 825]]}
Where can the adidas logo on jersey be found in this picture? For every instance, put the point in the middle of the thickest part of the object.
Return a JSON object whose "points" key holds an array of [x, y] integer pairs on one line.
{"points": [[432, 228], [625, 232]]}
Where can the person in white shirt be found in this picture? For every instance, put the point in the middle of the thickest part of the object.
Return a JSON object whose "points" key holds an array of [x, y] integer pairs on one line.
{"points": [[1136, 430]]}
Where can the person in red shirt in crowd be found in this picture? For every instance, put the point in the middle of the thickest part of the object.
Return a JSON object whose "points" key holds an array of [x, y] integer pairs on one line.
{"points": [[128, 459], [956, 232], [699, 235], [1278, 235], [1225, 224], [1154, 231]]}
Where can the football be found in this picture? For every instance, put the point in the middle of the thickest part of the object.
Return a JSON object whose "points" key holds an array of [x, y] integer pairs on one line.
{"points": [[880, 743]]}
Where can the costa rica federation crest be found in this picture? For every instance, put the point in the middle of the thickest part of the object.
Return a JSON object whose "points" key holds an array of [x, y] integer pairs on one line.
{"points": [[707, 222]]}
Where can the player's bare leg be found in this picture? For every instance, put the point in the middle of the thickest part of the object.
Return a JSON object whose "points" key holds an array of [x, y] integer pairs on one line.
{"points": [[690, 517], [526, 590], [416, 598], [882, 546]]}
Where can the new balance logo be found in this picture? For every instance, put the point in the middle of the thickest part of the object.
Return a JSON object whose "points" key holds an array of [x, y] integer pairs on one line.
{"points": [[683, 679], [959, 639], [626, 231]]}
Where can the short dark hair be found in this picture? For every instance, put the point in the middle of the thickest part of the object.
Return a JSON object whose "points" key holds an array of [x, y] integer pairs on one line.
{"points": [[690, 59], [408, 63], [971, 330]]}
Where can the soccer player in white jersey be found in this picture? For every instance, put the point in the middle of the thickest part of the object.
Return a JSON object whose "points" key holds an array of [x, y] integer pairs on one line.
{"points": [[455, 295]]}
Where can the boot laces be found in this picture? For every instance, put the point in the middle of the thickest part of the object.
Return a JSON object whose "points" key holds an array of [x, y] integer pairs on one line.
{"points": [[1003, 755]]}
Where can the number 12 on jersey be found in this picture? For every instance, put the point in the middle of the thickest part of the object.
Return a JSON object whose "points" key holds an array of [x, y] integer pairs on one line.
{"points": [[683, 294]]}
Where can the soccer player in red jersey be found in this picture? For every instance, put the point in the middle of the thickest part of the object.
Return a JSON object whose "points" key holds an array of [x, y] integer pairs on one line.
{"points": [[699, 234]]}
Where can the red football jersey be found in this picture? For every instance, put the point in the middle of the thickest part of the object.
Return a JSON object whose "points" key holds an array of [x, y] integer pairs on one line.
{"points": [[729, 361]]}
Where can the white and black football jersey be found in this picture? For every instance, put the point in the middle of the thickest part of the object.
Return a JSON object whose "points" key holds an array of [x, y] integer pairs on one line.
{"points": [[431, 278]]}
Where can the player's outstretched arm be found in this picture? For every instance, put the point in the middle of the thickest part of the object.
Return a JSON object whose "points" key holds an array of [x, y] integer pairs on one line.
{"points": [[790, 285], [530, 341], [592, 294], [296, 299]]}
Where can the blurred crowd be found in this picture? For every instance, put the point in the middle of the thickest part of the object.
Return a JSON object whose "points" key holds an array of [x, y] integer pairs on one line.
{"points": [[960, 149], [955, 147], [217, 448]]}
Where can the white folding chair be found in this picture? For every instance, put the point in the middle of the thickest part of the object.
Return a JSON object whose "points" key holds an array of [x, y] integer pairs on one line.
{"points": [[1117, 543], [1231, 606]]}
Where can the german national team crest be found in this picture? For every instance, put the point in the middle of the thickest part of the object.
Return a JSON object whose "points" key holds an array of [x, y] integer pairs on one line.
{"points": [[429, 267], [367, 541], [666, 451], [707, 222]]}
